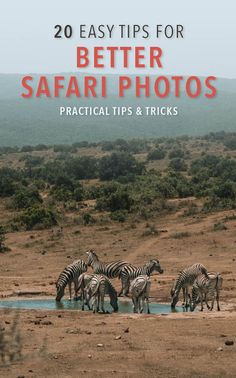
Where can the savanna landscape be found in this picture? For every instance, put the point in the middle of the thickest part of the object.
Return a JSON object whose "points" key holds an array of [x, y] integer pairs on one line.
{"points": [[171, 199]]}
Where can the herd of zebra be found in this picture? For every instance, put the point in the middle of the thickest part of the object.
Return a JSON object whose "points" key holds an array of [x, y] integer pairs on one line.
{"points": [[136, 280]]}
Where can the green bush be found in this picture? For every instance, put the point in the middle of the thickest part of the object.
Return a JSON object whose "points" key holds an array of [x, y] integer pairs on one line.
{"points": [[157, 154], [178, 164], [26, 197], [176, 153], [119, 216], [118, 164], [37, 217], [88, 219]]}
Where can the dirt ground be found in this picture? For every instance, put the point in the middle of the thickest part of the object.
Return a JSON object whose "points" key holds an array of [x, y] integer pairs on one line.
{"points": [[65, 344]]}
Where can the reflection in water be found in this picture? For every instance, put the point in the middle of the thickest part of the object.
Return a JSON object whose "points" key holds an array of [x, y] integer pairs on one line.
{"points": [[125, 306]]}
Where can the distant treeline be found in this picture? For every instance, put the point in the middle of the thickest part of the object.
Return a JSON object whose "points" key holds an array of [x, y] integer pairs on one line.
{"points": [[133, 145]]}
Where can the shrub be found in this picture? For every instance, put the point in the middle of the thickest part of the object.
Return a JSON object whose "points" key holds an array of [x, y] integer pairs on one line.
{"points": [[119, 216], [37, 217], [119, 200], [176, 153], [157, 154], [178, 164], [191, 210], [219, 227], [88, 219], [180, 235], [118, 164], [8, 179], [26, 197]]}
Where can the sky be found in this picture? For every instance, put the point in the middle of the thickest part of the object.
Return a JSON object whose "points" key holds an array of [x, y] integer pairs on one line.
{"points": [[208, 48]]}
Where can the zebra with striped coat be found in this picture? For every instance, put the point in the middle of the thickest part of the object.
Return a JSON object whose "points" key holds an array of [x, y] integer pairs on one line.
{"points": [[206, 288], [184, 281], [70, 274], [129, 272], [96, 290], [110, 269], [140, 290], [84, 280]]}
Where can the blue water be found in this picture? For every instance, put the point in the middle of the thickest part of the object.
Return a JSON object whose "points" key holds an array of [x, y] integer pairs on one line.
{"points": [[50, 304]]}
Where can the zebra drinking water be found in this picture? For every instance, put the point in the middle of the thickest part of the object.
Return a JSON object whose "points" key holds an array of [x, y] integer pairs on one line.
{"points": [[205, 288], [184, 281], [70, 274], [110, 269], [140, 289], [129, 272], [96, 290]]}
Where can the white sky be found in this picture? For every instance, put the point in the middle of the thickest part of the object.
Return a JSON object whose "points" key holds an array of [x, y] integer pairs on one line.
{"points": [[27, 27]]}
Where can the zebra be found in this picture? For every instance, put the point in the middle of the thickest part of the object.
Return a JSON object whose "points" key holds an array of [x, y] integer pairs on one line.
{"points": [[205, 288], [110, 269], [96, 289], [70, 274], [185, 280], [130, 272], [83, 281], [140, 289]]}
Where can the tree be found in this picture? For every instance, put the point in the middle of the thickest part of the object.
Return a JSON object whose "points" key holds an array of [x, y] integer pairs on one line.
{"points": [[118, 164], [26, 197], [157, 154], [178, 164]]}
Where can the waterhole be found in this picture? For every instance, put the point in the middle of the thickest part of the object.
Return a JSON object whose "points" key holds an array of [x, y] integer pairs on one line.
{"points": [[125, 306]]}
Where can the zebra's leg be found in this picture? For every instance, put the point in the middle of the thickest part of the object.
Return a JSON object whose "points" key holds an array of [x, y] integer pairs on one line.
{"points": [[94, 303], [135, 303], [125, 286], [98, 302], [201, 300], [206, 301], [140, 304], [212, 303], [147, 301], [102, 296], [76, 288], [126, 292], [218, 300], [184, 296], [82, 299], [69, 284], [122, 286]]}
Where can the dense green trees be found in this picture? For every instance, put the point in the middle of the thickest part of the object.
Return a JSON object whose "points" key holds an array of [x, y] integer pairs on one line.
{"points": [[40, 187]]}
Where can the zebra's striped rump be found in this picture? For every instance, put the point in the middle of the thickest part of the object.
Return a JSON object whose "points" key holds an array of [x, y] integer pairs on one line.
{"points": [[206, 288], [185, 280], [70, 274], [140, 290], [96, 290], [110, 269]]}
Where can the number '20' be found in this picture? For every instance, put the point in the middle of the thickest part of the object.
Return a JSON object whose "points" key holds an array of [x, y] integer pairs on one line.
{"points": [[61, 32]]}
